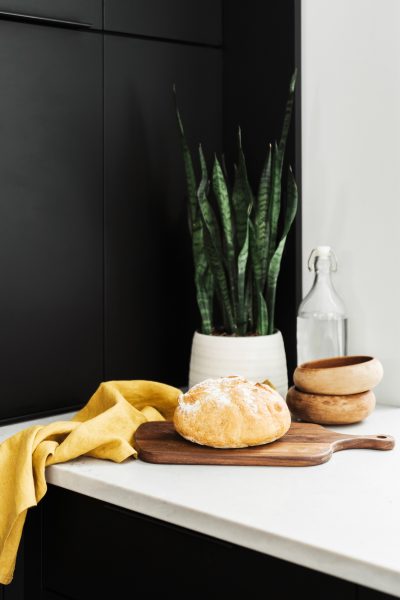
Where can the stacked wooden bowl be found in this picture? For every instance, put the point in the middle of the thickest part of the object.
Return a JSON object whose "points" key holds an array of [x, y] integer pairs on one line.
{"points": [[335, 391]]}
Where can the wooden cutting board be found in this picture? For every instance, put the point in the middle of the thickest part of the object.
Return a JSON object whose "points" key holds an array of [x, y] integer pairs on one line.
{"points": [[303, 445]]}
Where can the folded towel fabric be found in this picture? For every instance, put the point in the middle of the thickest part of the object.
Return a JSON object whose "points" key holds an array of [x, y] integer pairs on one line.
{"points": [[104, 428]]}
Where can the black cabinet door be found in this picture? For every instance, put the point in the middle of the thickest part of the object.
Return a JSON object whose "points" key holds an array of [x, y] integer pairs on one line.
{"points": [[150, 305], [91, 549], [50, 217], [186, 20], [86, 12]]}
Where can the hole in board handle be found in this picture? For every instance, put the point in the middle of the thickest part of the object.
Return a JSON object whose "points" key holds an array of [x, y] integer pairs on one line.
{"points": [[381, 437]]}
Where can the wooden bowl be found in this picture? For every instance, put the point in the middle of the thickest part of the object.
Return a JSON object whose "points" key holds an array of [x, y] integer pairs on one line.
{"points": [[330, 410], [339, 376]]}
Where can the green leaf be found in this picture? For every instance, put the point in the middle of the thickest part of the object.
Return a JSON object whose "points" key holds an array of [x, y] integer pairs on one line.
{"points": [[288, 114], [213, 250], [225, 170], [249, 298], [189, 169], [204, 295], [262, 312], [242, 196], [241, 270], [274, 208], [202, 274], [277, 165], [237, 257], [275, 264], [255, 257], [262, 320], [222, 196], [261, 217]]}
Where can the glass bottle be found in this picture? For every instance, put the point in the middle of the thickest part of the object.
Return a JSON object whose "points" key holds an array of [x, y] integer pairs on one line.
{"points": [[321, 318]]}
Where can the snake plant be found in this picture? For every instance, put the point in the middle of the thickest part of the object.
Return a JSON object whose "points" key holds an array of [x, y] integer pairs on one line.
{"points": [[238, 236]]}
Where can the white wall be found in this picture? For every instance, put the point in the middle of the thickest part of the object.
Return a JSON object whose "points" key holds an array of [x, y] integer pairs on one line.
{"points": [[351, 165]]}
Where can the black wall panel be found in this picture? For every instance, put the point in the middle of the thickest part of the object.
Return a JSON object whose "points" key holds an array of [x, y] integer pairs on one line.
{"points": [[89, 12], [184, 20], [50, 217], [261, 49], [150, 305], [52, 152]]}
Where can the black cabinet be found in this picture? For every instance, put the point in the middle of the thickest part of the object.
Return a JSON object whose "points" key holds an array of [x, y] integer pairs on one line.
{"points": [[92, 549], [51, 214], [67, 12], [367, 594], [185, 20], [95, 257], [150, 305], [81, 548], [16, 589]]}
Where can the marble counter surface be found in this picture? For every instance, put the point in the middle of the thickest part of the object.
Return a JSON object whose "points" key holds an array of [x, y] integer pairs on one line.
{"points": [[341, 518]]}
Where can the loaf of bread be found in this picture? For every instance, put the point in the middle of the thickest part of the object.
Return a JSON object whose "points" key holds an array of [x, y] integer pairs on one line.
{"points": [[231, 412]]}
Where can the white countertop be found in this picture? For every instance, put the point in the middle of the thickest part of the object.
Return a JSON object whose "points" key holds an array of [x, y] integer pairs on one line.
{"points": [[341, 518]]}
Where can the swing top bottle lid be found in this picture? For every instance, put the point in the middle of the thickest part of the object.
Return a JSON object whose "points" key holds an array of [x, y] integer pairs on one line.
{"points": [[324, 252]]}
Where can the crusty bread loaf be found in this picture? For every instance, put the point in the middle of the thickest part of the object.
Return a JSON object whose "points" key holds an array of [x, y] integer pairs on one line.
{"points": [[231, 412]]}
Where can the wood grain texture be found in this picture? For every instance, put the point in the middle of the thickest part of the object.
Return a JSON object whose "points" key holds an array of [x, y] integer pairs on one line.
{"points": [[341, 375], [305, 444], [330, 410]]}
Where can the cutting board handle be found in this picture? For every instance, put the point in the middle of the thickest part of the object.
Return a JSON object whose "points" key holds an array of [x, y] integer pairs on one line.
{"points": [[373, 442]]}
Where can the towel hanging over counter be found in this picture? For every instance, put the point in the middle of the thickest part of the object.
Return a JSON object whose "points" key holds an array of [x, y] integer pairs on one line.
{"points": [[104, 428]]}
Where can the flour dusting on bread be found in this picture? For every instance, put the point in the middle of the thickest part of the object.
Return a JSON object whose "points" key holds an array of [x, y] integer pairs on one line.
{"points": [[231, 412]]}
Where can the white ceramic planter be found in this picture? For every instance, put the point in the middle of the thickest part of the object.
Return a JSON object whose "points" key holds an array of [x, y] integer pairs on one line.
{"points": [[255, 357]]}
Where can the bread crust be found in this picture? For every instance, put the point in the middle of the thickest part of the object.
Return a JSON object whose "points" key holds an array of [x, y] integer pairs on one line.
{"points": [[231, 412]]}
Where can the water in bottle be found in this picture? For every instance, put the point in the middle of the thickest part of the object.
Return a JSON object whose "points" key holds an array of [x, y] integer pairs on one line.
{"points": [[321, 318]]}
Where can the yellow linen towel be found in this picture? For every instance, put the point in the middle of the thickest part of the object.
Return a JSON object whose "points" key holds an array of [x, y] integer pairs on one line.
{"points": [[104, 428]]}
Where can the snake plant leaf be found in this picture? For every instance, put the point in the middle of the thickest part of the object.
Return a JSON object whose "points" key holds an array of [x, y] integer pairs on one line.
{"points": [[221, 284], [206, 209], [204, 283], [242, 316], [255, 257], [202, 275], [274, 208], [288, 114], [242, 196], [275, 264], [261, 217], [249, 298], [236, 253], [262, 312], [225, 170], [222, 196], [213, 249], [189, 169], [204, 280], [277, 165]]}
